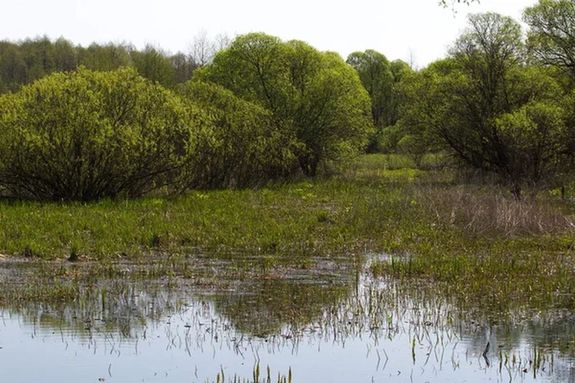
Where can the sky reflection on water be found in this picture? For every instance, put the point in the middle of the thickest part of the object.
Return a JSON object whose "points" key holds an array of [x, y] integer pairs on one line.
{"points": [[325, 328]]}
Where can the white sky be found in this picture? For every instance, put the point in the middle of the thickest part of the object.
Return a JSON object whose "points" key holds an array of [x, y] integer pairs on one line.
{"points": [[417, 31]]}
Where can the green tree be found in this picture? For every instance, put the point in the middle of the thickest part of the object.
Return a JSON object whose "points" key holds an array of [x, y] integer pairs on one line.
{"points": [[85, 135], [154, 65], [105, 57], [484, 104], [420, 113], [255, 68], [312, 95], [241, 146], [551, 37], [381, 79], [24, 62], [183, 66], [13, 69], [399, 69], [38, 57], [333, 116], [535, 136], [377, 78], [65, 55], [413, 146]]}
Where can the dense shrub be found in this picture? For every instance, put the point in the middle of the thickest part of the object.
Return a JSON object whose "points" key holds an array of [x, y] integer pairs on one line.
{"points": [[491, 110], [85, 135], [314, 95], [242, 145]]}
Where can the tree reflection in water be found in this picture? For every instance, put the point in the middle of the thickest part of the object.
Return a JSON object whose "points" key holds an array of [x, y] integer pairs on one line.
{"points": [[395, 325]]}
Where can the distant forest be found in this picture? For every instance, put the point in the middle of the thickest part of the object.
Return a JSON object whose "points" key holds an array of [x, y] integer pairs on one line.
{"points": [[29, 60], [109, 120]]}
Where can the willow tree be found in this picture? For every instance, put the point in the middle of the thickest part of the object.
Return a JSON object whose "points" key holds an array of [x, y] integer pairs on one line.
{"points": [[492, 111], [240, 147], [316, 98], [85, 135], [551, 35]]}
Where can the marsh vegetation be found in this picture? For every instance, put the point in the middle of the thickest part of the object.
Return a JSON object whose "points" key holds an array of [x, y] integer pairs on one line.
{"points": [[217, 219], [376, 279], [293, 324]]}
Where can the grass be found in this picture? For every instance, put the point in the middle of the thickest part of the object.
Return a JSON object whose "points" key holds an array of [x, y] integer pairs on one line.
{"points": [[321, 217], [219, 222], [482, 246], [490, 211], [488, 250], [257, 377]]}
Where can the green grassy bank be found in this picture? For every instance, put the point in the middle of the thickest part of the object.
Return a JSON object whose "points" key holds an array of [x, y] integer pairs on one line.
{"points": [[364, 209], [377, 204]]}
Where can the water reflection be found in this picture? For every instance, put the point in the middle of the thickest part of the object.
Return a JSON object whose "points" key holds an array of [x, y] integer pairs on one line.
{"points": [[331, 322]]}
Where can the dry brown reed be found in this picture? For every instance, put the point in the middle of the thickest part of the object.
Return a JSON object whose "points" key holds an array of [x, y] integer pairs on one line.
{"points": [[481, 210]]}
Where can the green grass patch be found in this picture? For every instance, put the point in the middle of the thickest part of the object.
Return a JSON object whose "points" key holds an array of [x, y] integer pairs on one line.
{"points": [[348, 214], [370, 206]]}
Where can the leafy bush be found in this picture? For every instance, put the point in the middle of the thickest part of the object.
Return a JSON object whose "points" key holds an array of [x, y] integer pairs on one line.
{"points": [[242, 145], [314, 95], [85, 135], [414, 147]]}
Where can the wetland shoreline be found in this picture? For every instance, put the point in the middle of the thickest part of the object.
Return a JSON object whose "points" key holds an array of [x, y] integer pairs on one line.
{"points": [[356, 263], [379, 204]]}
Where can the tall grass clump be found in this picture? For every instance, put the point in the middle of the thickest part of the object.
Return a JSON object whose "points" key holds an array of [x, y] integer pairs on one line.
{"points": [[257, 377], [493, 211], [85, 135]]}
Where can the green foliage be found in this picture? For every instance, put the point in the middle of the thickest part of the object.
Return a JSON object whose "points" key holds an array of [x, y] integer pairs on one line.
{"points": [[266, 109], [86, 135], [489, 109], [388, 138], [314, 95], [105, 57], [381, 80], [535, 136], [24, 62], [254, 68], [412, 134], [414, 147], [551, 37], [154, 65], [242, 146], [183, 67], [377, 78], [33, 59], [489, 47]]}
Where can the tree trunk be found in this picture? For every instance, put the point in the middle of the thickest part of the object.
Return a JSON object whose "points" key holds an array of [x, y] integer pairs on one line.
{"points": [[516, 191]]}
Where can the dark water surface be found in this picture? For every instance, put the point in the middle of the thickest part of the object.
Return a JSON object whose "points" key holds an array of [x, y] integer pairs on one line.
{"points": [[329, 322]]}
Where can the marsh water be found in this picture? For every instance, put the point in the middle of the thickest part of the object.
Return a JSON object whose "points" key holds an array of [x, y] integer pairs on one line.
{"points": [[329, 321]]}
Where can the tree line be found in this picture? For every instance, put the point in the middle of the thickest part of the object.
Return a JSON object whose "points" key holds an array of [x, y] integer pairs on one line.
{"points": [[31, 59], [262, 110], [502, 101], [258, 109]]}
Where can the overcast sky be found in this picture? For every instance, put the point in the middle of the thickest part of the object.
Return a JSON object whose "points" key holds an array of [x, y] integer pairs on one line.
{"points": [[419, 31]]}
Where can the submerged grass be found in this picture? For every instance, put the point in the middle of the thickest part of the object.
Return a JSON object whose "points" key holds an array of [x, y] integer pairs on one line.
{"points": [[256, 377], [432, 228]]}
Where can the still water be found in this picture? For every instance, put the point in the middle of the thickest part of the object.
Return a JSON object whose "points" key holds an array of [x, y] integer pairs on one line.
{"points": [[331, 322]]}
